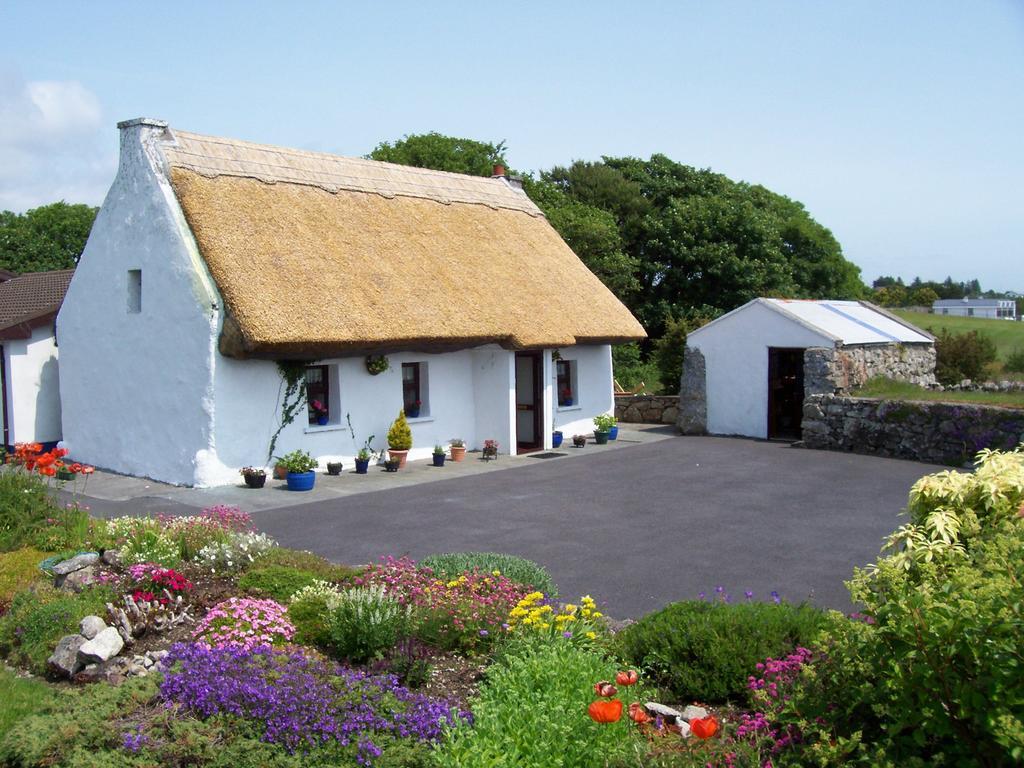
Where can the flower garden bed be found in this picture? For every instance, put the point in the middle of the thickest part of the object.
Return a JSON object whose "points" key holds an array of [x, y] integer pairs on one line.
{"points": [[230, 650]]}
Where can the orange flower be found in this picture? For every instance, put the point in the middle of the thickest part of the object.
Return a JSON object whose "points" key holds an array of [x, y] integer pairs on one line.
{"points": [[627, 678], [76, 467], [48, 471], [87, 470], [60, 453], [704, 727], [605, 711], [45, 460], [604, 688], [638, 714]]}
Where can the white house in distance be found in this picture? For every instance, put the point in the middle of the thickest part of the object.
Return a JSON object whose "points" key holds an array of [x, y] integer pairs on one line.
{"points": [[213, 258], [29, 382], [748, 372], [1003, 309]]}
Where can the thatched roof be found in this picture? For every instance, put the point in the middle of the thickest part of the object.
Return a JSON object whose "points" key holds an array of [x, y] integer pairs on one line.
{"points": [[31, 300], [321, 256]]}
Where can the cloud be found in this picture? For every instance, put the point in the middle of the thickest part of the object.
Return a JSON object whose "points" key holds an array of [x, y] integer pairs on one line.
{"points": [[54, 144]]}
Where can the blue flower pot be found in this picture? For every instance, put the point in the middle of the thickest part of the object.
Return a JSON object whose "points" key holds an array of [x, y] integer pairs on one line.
{"points": [[439, 459], [321, 420], [412, 413], [556, 439], [613, 432], [300, 481], [565, 403], [361, 466]]}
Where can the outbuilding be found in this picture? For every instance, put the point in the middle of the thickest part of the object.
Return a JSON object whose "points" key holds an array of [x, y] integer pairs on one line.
{"points": [[29, 381], [235, 296], [993, 309], [748, 372]]}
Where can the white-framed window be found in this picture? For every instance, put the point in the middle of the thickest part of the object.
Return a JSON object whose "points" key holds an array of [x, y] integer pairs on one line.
{"points": [[565, 383], [416, 390]]}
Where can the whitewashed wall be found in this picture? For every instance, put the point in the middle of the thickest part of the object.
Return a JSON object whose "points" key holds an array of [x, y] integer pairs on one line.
{"points": [[493, 398], [735, 350], [137, 388], [33, 388], [593, 394]]}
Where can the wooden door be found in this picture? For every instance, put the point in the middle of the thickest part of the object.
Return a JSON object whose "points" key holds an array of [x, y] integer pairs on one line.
{"points": [[529, 402], [785, 393]]}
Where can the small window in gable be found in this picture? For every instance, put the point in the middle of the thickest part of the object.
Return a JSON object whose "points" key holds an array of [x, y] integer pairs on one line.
{"points": [[134, 291], [415, 392], [565, 384], [318, 394]]}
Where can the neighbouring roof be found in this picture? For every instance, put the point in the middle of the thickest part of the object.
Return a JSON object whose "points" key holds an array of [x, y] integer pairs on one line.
{"points": [[845, 322], [317, 256], [31, 300], [972, 302]]}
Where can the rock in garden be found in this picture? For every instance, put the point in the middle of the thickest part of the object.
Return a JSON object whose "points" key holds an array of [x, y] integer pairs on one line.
{"points": [[76, 563], [64, 660], [78, 580], [684, 728], [137, 670], [91, 626], [111, 557], [92, 673], [105, 645], [693, 712], [660, 709]]}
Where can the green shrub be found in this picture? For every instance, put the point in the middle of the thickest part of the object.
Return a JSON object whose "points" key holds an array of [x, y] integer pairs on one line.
{"points": [[310, 617], [630, 370], [305, 561], [1015, 361], [532, 712], [40, 616], [517, 569], [705, 651], [25, 505], [399, 435], [71, 530], [277, 581], [366, 623], [21, 697], [18, 570], [961, 356]]}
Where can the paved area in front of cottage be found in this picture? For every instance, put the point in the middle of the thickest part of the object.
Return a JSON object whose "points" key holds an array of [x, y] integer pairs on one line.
{"points": [[638, 528]]}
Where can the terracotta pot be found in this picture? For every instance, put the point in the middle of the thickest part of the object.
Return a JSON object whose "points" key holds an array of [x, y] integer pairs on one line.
{"points": [[280, 472], [458, 452], [400, 455]]}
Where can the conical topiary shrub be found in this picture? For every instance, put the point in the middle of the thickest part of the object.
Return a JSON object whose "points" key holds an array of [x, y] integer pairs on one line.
{"points": [[400, 436]]}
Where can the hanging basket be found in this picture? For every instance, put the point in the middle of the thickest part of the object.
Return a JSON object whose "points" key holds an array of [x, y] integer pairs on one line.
{"points": [[376, 364]]}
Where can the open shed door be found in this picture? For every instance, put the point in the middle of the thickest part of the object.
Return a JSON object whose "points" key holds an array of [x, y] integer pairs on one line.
{"points": [[785, 393]]}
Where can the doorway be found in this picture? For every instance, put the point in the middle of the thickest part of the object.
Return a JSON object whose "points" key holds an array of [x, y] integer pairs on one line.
{"points": [[529, 402], [785, 393]]}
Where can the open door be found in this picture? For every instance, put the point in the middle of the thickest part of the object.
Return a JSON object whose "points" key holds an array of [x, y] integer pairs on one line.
{"points": [[529, 402], [785, 393]]}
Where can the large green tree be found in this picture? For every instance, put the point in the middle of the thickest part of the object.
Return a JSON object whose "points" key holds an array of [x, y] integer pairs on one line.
{"points": [[442, 153], [46, 238]]}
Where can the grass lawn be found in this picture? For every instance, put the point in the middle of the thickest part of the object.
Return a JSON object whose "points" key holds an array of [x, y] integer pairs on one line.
{"points": [[1007, 334], [901, 390], [21, 697]]}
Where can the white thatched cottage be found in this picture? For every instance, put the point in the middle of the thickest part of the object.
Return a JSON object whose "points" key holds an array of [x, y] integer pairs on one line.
{"points": [[212, 258], [749, 371]]}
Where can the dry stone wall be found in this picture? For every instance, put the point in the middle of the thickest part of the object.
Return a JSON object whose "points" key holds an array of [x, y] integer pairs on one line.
{"points": [[647, 409], [940, 433], [838, 370]]}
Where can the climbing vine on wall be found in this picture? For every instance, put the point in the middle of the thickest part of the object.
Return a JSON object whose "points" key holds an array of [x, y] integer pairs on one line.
{"points": [[293, 398]]}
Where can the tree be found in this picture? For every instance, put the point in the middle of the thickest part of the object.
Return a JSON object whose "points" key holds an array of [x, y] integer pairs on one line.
{"points": [[923, 297], [46, 238], [443, 153]]}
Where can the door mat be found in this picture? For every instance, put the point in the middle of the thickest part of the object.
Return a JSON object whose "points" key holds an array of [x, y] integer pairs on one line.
{"points": [[548, 455]]}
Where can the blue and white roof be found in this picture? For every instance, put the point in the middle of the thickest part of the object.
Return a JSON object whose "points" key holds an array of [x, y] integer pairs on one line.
{"points": [[845, 322]]}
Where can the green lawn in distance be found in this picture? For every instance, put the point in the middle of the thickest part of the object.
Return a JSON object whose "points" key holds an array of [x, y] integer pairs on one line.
{"points": [[1008, 335], [887, 389]]}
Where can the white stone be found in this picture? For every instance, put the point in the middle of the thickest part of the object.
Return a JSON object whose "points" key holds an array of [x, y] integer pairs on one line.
{"points": [[693, 712], [105, 645], [91, 626], [64, 660], [663, 710], [75, 563]]}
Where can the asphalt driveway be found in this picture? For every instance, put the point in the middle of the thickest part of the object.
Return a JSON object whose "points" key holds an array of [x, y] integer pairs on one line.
{"points": [[642, 527]]}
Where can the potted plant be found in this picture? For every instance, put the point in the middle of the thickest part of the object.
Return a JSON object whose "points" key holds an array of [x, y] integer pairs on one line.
{"points": [[376, 364], [565, 397], [364, 456], [319, 411], [399, 439], [300, 466], [254, 478], [392, 465], [334, 467], [579, 440], [280, 470], [556, 438], [603, 424], [458, 448], [413, 410], [439, 455], [490, 449]]}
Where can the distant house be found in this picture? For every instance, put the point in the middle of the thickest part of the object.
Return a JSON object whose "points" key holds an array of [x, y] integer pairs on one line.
{"points": [[1004, 309], [29, 382], [748, 372], [213, 258]]}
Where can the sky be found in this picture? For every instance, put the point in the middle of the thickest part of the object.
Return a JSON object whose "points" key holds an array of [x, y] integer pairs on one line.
{"points": [[900, 126]]}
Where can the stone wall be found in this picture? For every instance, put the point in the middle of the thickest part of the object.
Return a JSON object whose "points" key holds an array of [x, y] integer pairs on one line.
{"points": [[838, 370], [647, 409], [940, 433]]}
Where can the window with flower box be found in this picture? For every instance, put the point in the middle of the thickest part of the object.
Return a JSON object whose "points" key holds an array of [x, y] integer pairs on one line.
{"points": [[318, 394], [565, 384], [414, 390]]}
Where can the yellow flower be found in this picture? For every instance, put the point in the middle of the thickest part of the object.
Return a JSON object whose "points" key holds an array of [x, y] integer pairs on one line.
{"points": [[569, 608], [597, 614], [592, 635], [518, 611], [451, 584], [495, 572]]}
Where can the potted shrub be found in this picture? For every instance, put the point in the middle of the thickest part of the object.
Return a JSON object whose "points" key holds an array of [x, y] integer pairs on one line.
{"points": [[364, 456], [556, 439], [300, 466], [603, 424], [490, 449], [399, 439], [458, 448], [565, 397], [439, 455], [319, 412], [392, 464], [280, 470], [579, 440], [254, 478], [334, 467]]}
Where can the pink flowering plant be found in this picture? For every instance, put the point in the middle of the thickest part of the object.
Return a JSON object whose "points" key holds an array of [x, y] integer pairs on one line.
{"points": [[466, 612], [150, 580], [245, 623]]}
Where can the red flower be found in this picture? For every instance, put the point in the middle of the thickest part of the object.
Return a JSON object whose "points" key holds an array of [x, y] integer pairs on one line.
{"points": [[604, 688], [87, 470], [48, 471], [704, 727], [627, 678], [76, 467], [605, 711], [45, 459]]}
